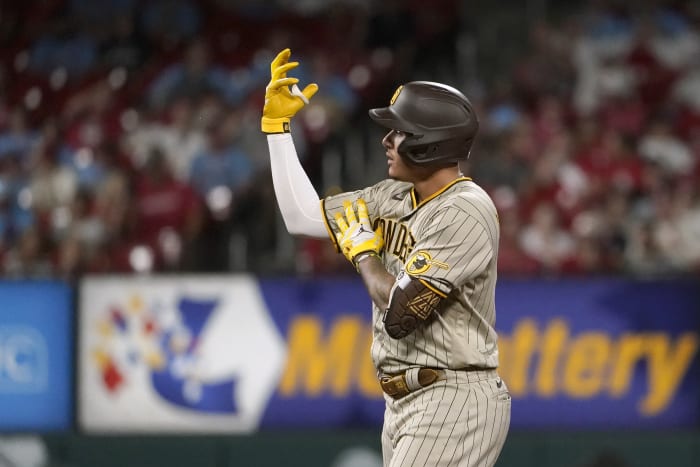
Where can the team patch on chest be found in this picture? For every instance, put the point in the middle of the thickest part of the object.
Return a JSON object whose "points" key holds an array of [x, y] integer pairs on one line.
{"points": [[398, 239]]}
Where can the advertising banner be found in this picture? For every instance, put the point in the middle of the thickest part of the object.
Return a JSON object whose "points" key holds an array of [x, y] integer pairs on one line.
{"points": [[36, 354], [591, 354], [231, 354], [601, 353]]}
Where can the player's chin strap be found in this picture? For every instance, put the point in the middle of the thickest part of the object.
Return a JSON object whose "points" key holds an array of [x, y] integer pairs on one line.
{"points": [[410, 304]]}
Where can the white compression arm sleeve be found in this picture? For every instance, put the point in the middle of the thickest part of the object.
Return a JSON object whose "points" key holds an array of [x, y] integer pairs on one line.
{"points": [[296, 196]]}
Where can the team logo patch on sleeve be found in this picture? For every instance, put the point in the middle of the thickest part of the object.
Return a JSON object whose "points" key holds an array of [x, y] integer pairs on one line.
{"points": [[421, 261]]}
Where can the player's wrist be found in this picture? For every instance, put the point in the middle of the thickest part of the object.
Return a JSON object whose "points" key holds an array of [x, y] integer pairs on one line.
{"points": [[274, 125], [362, 256]]}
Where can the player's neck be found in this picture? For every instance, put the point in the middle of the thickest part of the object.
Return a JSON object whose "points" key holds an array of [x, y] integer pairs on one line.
{"points": [[436, 181]]}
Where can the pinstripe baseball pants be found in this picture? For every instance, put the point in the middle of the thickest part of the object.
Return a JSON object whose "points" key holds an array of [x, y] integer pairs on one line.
{"points": [[460, 421]]}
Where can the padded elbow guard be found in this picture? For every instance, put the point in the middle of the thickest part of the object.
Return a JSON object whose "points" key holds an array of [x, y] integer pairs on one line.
{"points": [[411, 303]]}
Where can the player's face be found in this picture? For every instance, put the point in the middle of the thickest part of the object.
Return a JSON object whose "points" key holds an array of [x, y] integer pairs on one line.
{"points": [[398, 168]]}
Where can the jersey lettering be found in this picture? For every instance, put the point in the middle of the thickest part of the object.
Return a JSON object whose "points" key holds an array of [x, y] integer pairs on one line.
{"points": [[398, 239]]}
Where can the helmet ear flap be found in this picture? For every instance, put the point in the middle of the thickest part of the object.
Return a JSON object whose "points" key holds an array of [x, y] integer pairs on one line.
{"points": [[408, 149], [429, 153], [417, 154]]}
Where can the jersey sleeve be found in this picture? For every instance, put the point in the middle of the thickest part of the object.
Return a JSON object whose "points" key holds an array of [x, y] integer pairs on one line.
{"points": [[453, 248], [334, 204]]}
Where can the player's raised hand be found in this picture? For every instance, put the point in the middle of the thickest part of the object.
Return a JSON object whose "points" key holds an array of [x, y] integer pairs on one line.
{"points": [[283, 99], [356, 233]]}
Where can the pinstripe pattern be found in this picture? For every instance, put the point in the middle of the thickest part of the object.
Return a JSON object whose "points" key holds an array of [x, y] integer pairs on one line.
{"points": [[461, 421], [450, 242], [457, 228]]}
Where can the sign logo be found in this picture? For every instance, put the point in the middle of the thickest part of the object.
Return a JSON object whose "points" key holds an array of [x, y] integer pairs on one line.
{"points": [[168, 343], [24, 360], [183, 354], [421, 261], [396, 95]]}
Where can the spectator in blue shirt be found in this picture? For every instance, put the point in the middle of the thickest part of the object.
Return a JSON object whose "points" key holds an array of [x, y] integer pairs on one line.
{"points": [[223, 165]]}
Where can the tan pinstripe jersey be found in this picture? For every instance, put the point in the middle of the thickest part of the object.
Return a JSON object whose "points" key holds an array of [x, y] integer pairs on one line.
{"points": [[450, 242]]}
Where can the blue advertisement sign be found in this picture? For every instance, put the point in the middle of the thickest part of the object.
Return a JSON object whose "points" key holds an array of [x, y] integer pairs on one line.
{"points": [[328, 378], [581, 354], [601, 354], [36, 352]]}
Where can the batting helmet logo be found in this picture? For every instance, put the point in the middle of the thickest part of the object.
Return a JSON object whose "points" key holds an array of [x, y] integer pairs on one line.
{"points": [[396, 95]]}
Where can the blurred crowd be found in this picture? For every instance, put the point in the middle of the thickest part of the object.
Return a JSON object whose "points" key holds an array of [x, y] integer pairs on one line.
{"points": [[592, 144], [130, 142]]}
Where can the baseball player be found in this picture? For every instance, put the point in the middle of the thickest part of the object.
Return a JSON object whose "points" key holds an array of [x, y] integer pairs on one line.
{"points": [[425, 242]]}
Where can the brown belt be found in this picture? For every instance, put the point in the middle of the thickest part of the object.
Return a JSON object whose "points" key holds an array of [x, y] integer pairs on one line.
{"points": [[401, 384]]}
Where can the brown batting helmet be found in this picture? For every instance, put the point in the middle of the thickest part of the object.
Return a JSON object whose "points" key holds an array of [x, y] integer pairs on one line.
{"points": [[440, 122]]}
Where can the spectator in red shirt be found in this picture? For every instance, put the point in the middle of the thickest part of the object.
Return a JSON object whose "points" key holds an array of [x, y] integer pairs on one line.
{"points": [[611, 163], [512, 259], [168, 213]]}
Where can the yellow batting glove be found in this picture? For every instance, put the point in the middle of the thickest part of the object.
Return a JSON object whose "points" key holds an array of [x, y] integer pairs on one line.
{"points": [[281, 102], [356, 235]]}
